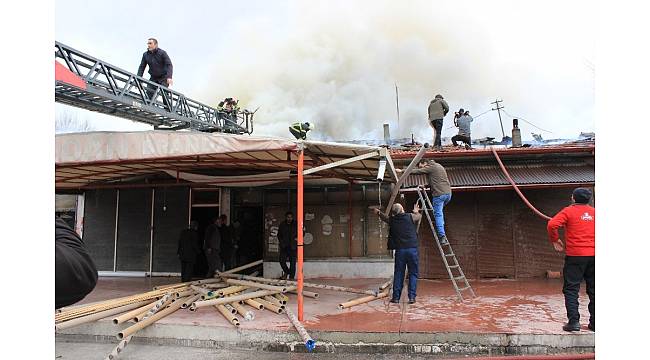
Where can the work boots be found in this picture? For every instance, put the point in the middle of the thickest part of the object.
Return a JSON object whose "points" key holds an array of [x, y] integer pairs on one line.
{"points": [[571, 326], [443, 240]]}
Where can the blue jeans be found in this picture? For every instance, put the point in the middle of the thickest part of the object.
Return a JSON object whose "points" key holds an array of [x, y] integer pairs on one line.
{"points": [[439, 203], [405, 258]]}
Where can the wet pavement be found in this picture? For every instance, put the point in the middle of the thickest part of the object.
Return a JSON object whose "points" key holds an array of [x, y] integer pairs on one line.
{"points": [[528, 306]]}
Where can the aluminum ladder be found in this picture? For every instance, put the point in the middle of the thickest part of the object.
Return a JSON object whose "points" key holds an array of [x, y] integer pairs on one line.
{"points": [[446, 251]]}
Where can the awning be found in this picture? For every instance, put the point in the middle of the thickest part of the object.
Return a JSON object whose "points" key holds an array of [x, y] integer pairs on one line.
{"points": [[85, 160]]}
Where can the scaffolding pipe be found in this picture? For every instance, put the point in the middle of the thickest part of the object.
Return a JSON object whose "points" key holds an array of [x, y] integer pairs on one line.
{"points": [[309, 342], [309, 285], [257, 285], [362, 300], [151, 319], [227, 314], [270, 306], [253, 303], [240, 268], [301, 165], [133, 313], [100, 315], [310, 294], [251, 295], [162, 303], [248, 315]]}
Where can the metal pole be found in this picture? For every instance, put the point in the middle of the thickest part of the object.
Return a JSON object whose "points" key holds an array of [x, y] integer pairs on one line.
{"points": [[301, 160], [117, 213], [498, 109], [153, 201], [350, 217]]}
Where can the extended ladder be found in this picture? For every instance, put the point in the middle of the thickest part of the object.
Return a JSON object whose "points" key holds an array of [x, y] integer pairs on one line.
{"points": [[445, 250]]}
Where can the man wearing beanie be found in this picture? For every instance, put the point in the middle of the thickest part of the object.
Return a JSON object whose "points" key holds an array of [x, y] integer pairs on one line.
{"points": [[579, 222]]}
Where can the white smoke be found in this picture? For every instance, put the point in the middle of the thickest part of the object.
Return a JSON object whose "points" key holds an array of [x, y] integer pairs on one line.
{"points": [[334, 64]]}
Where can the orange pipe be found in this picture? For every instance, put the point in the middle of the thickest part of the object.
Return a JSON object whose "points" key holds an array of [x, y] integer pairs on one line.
{"points": [[350, 217], [301, 159], [512, 182], [587, 356]]}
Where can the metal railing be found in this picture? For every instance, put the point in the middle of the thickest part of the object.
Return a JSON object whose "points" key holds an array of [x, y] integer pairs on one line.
{"points": [[117, 92]]}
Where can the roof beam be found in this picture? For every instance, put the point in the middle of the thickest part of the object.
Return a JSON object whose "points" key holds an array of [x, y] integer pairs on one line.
{"points": [[341, 162]]}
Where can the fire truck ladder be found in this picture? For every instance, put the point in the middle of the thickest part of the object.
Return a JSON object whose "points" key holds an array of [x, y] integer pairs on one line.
{"points": [[446, 251], [86, 82]]}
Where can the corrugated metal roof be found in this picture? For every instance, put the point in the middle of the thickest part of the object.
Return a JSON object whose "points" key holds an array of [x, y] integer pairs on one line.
{"points": [[522, 174]]}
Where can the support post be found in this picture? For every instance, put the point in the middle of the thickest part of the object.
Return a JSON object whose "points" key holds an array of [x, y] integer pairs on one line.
{"points": [[301, 159], [350, 217]]}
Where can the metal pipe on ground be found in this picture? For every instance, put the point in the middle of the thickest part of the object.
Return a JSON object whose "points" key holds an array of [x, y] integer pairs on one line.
{"points": [[160, 304], [310, 344], [313, 295], [150, 320], [133, 313], [184, 293], [246, 314], [256, 284], [202, 290], [309, 285], [274, 301], [122, 344], [227, 314], [240, 268], [109, 304], [232, 289], [284, 299], [97, 316], [230, 308], [386, 284], [250, 295], [253, 303], [270, 306], [362, 300], [190, 300]]}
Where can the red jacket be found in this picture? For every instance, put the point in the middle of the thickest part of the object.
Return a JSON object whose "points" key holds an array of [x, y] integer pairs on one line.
{"points": [[579, 222]]}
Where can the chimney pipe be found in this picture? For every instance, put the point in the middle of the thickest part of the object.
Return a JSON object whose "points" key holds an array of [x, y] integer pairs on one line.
{"points": [[516, 133], [387, 134]]}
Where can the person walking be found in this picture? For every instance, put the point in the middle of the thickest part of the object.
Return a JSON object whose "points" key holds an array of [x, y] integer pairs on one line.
{"points": [[188, 250]]}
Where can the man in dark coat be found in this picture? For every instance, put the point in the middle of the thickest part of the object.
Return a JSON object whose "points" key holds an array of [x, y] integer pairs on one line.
{"points": [[288, 238], [160, 67], [403, 238], [75, 271], [188, 250], [212, 247], [227, 245]]}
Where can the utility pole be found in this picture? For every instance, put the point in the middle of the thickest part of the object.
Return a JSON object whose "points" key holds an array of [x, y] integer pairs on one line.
{"points": [[498, 109]]}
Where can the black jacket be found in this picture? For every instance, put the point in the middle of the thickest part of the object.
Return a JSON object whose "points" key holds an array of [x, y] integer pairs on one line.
{"points": [[160, 65], [188, 245], [75, 272], [402, 232], [212, 238], [288, 235], [226, 238]]}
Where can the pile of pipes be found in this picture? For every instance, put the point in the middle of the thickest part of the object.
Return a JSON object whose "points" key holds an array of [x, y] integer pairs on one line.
{"points": [[231, 294]]}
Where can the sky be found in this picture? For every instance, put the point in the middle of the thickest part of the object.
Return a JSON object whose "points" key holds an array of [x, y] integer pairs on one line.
{"points": [[335, 64]]}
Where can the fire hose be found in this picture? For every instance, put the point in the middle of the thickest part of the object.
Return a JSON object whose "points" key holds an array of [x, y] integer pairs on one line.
{"points": [[512, 182]]}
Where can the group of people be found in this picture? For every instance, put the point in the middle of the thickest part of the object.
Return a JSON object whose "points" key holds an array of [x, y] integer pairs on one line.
{"points": [[578, 221], [220, 246], [438, 109]]}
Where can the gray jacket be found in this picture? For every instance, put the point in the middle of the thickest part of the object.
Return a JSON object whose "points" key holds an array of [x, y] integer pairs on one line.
{"points": [[438, 108]]}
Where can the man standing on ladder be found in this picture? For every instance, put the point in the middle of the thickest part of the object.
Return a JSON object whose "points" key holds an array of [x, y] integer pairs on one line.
{"points": [[440, 193], [403, 238], [579, 222], [160, 67]]}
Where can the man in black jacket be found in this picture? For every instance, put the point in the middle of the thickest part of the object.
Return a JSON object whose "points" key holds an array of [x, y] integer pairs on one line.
{"points": [[212, 247], [160, 67], [188, 250], [75, 271], [288, 238], [227, 245], [403, 238]]}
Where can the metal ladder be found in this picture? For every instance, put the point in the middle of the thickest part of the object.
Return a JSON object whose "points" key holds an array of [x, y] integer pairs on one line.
{"points": [[445, 250]]}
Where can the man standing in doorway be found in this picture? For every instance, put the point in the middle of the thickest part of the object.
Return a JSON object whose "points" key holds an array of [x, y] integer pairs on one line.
{"points": [[212, 247], [438, 108], [188, 250], [440, 193], [160, 67], [579, 222], [288, 238], [226, 242], [403, 238]]}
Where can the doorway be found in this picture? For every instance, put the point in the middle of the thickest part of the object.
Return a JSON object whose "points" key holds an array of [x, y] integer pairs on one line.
{"points": [[205, 208], [251, 238]]}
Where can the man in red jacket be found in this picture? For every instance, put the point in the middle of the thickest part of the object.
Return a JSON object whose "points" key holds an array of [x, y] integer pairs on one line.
{"points": [[579, 222]]}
